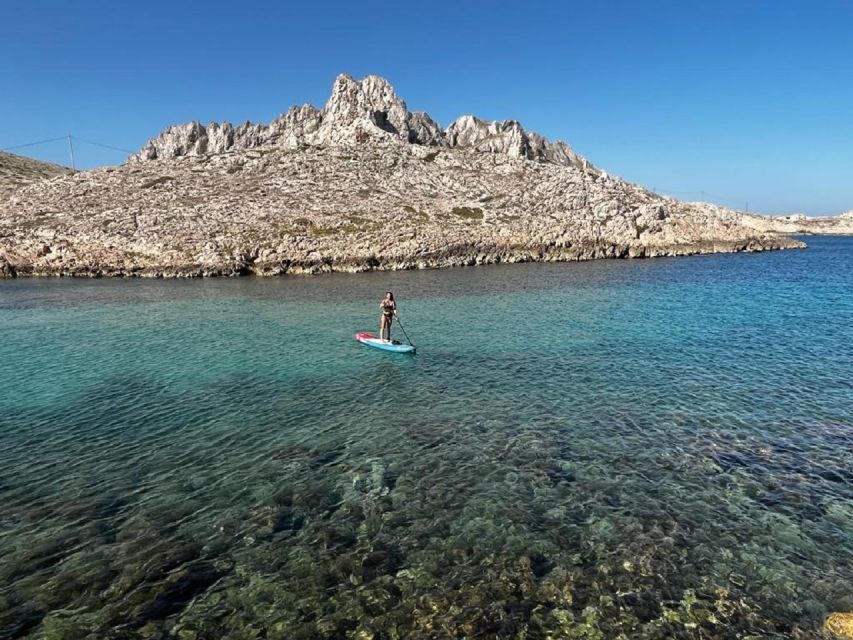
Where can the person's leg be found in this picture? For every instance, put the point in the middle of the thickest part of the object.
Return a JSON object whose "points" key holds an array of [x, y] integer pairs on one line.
{"points": [[382, 321], [388, 325]]}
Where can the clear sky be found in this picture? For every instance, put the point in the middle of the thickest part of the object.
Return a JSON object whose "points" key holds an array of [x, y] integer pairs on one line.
{"points": [[746, 101]]}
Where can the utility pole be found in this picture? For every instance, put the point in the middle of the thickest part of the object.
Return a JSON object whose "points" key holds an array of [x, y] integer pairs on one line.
{"points": [[71, 149], [747, 207]]}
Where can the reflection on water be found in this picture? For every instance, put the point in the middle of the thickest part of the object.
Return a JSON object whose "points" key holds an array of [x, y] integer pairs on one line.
{"points": [[644, 449]]}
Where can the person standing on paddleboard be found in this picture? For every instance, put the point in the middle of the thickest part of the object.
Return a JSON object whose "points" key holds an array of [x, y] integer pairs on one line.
{"points": [[389, 310]]}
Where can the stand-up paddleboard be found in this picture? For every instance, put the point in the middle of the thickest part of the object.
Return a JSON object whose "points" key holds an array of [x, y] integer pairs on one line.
{"points": [[372, 341]]}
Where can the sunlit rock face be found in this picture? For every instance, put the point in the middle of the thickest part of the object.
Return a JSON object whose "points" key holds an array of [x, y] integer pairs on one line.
{"points": [[358, 112], [361, 184]]}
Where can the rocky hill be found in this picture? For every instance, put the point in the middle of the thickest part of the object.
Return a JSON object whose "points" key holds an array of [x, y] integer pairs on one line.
{"points": [[803, 225], [361, 184], [17, 171]]}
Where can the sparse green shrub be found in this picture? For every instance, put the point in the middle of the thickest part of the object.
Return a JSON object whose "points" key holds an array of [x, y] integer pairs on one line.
{"points": [[156, 181], [469, 213], [430, 157], [358, 220], [324, 231], [418, 215]]}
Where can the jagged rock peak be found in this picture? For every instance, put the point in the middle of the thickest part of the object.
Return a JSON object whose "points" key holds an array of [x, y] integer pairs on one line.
{"points": [[509, 137], [359, 112], [194, 139]]}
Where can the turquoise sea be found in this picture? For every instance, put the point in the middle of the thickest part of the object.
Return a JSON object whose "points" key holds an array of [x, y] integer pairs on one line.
{"points": [[615, 449]]}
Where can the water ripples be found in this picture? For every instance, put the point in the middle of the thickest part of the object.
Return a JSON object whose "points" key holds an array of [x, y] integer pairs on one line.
{"points": [[653, 449]]}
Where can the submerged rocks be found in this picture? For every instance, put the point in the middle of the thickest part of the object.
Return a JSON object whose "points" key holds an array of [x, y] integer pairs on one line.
{"points": [[840, 625]]}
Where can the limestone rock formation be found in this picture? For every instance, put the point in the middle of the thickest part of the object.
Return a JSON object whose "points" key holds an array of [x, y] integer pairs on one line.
{"points": [[361, 184], [358, 112], [509, 138], [295, 127], [194, 139]]}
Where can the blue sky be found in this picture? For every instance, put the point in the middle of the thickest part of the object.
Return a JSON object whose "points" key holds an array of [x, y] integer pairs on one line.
{"points": [[748, 101]]}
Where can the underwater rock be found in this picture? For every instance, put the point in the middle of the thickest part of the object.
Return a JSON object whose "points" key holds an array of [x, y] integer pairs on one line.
{"points": [[67, 625], [840, 625], [312, 457], [177, 589], [375, 484], [16, 620]]}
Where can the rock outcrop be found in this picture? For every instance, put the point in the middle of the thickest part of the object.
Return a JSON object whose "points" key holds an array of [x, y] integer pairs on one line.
{"points": [[358, 111], [361, 184], [510, 139]]}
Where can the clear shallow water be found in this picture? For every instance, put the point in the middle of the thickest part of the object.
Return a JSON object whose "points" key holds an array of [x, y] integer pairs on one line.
{"points": [[657, 449]]}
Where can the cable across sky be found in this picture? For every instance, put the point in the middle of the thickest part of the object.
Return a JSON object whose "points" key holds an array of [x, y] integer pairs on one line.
{"points": [[70, 139]]}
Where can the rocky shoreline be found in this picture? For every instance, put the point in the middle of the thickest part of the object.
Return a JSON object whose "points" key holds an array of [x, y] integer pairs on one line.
{"points": [[451, 257], [361, 185]]}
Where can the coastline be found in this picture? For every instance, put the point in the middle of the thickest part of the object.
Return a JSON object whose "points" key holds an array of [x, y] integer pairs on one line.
{"points": [[460, 256]]}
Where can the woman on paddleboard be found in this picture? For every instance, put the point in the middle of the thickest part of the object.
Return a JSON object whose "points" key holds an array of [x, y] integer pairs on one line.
{"points": [[389, 310]]}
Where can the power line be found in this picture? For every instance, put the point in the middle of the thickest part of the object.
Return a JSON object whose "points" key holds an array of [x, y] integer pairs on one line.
{"points": [[77, 138], [704, 195], [32, 144], [100, 144], [70, 140]]}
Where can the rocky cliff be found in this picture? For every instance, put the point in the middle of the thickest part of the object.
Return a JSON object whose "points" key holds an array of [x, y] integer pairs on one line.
{"points": [[358, 112], [361, 184]]}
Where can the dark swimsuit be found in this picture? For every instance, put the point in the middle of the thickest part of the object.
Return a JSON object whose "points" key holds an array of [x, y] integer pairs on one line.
{"points": [[387, 309]]}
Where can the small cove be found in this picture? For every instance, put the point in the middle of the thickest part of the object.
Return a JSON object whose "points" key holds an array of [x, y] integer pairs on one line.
{"points": [[658, 448]]}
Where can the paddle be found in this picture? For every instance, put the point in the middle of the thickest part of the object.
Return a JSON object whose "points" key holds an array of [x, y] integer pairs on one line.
{"points": [[403, 329]]}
